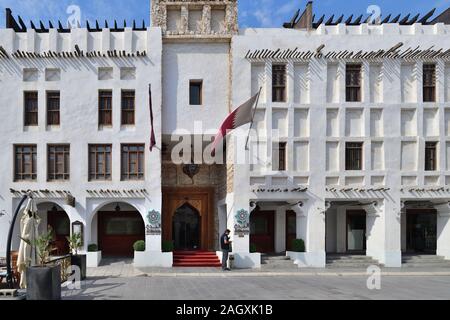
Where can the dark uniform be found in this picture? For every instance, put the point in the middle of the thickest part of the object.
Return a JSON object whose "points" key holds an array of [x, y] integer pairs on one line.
{"points": [[225, 246]]}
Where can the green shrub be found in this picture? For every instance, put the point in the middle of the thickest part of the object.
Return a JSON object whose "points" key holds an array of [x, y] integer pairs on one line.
{"points": [[298, 245], [167, 246], [253, 248], [139, 246], [92, 248]]}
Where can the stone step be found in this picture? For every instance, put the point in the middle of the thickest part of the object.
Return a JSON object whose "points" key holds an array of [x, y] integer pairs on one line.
{"points": [[426, 265], [274, 258]]}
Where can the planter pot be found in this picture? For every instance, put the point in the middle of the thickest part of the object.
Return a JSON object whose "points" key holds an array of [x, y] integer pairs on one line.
{"points": [[80, 261], [44, 283], [93, 259]]}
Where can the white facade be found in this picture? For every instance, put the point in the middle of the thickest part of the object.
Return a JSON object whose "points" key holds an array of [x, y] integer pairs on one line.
{"points": [[198, 40]]}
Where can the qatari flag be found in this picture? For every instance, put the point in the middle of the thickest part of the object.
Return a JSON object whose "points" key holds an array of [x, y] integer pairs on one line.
{"points": [[242, 115], [152, 138]]}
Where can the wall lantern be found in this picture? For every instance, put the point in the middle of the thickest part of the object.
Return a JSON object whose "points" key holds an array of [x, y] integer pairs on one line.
{"points": [[117, 208], [77, 227], [70, 200]]}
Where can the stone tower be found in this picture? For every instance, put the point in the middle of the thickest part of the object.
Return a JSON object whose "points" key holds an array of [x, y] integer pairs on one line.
{"points": [[195, 18]]}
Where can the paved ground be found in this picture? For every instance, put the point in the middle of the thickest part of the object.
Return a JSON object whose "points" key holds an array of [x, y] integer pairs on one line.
{"points": [[119, 280]]}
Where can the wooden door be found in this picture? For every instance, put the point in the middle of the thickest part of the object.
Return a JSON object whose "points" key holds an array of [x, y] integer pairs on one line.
{"points": [[60, 224], [262, 231], [118, 231], [200, 200], [291, 229]]}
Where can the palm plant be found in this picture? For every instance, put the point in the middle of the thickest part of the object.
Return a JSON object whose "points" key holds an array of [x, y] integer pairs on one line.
{"points": [[75, 242], [42, 246]]}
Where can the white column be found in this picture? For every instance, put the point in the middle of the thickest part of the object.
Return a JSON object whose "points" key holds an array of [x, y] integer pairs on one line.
{"points": [[280, 230], [443, 230]]}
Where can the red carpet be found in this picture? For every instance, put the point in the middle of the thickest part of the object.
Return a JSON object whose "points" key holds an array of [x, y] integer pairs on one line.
{"points": [[196, 259]]}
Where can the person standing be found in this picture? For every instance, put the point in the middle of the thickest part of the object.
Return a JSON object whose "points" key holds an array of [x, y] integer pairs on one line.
{"points": [[225, 245]]}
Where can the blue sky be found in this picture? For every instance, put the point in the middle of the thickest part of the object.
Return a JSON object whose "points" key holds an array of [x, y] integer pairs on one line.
{"points": [[252, 13]]}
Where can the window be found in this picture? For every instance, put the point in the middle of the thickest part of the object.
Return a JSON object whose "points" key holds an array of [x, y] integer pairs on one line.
{"points": [[100, 162], [195, 92], [353, 155], [105, 108], [53, 103], [25, 162], [133, 162], [429, 83], [430, 156], [279, 157], [353, 83], [31, 108], [128, 107], [279, 83], [58, 162]]}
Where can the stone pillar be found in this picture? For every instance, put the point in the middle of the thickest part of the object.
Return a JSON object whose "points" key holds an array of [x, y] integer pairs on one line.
{"points": [[443, 230], [206, 20], [159, 15], [310, 228], [280, 230], [231, 18], [184, 20]]}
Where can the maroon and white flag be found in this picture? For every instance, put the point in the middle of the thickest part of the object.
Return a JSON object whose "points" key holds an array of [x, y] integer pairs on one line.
{"points": [[152, 135], [239, 117]]}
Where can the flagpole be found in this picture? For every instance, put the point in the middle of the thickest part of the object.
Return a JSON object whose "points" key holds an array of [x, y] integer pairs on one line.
{"points": [[253, 118]]}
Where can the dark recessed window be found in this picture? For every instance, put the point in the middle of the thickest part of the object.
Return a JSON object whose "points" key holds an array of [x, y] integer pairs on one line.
{"points": [[31, 108], [132, 162], [128, 107], [353, 155], [100, 162], [353, 83], [53, 106], [195, 92], [431, 156], [58, 162], [279, 156], [429, 82], [105, 108], [25, 158], [279, 83]]}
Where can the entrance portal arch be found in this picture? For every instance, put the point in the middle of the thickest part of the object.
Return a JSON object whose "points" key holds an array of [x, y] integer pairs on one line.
{"points": [[186, 228]]}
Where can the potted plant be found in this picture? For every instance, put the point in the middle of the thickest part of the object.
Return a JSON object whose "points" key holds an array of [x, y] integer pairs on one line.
{"points": [[298, 253], [167, 246], [79, 260], [43, 280], [94, 256], [253, 248]]}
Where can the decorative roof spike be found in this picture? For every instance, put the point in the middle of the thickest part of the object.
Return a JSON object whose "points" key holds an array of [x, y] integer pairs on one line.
{"points": [[349, 20], [97, 26], [50, 25], [330, 21], [358, 20], [124, 23], [41, 24], [134, 24], [319, 22], [88, 26], [405, 19], [115, 25], [341, 18], [22, 24], [386, 20], [143, 24], [32, 25], [413, 20], [106, 24], [427, 16], [395, 20]]}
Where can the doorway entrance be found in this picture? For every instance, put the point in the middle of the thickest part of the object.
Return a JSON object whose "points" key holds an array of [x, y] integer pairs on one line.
{"points": [[421, 231], [262, 231], [118, 231], [291, 229], [59, 222], [186, 228], [356, 231]]}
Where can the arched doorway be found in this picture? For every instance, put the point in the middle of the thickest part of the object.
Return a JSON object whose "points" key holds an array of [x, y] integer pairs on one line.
{"points": [[119, 226], [186, 228], [59, 223]]}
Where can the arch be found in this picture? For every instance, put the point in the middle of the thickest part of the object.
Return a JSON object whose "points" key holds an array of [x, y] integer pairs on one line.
{"points": [[186, 225], [115, 226], [52, 213]]}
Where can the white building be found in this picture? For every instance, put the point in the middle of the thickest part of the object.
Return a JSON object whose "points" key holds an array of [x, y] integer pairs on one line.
{"points": [[353, 126]]}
